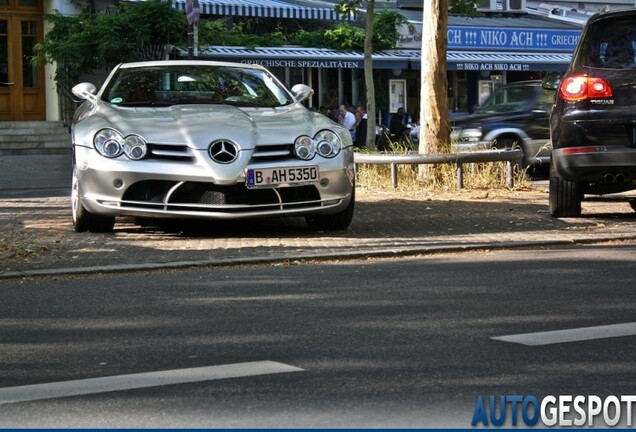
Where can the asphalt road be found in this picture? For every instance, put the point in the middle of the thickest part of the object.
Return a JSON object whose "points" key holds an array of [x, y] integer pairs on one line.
{"points": [[379, 343]]}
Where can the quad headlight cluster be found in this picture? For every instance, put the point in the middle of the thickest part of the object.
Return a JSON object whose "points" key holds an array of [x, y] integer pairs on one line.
{"points": [[111, 144], [325, 143]]}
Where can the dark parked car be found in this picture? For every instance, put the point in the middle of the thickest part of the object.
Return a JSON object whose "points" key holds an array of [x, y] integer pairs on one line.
{"points": [[515, 116], [593, 121]]}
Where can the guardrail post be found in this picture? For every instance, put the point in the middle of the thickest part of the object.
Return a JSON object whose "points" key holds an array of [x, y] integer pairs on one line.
{"points": [[394, 176], [510, 180], [460, 176]]}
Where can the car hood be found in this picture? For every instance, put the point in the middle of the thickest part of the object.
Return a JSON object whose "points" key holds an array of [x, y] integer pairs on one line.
{"points": [[198, 125]]}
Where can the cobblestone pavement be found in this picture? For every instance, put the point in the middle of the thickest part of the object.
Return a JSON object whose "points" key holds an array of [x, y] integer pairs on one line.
{"points": [[37, 236]]}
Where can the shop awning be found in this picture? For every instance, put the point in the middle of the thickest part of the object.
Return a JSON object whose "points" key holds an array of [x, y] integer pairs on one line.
{"points": [[264, 9], [494, 61], [299, 57]]}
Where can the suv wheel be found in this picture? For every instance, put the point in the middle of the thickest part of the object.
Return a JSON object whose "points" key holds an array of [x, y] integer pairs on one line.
{"points": [[565, 196]]}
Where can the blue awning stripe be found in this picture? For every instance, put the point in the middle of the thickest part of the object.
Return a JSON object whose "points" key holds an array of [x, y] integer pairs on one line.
{"points": [[263, 9], [388, 59]]}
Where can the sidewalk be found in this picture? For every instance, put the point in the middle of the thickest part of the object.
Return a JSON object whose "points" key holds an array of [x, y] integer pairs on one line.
{"points": [[37, 236]]}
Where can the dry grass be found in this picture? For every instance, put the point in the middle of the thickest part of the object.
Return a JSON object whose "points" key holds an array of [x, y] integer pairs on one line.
{"points": [[443, 177]]}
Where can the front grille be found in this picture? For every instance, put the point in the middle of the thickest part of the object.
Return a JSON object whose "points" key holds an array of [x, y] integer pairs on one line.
{"points": [[274, 152], [176, 152], [152, 191], [206, 197]]}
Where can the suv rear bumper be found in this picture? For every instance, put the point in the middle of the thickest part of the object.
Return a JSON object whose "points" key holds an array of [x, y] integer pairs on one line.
{"points": [[596, 163]]}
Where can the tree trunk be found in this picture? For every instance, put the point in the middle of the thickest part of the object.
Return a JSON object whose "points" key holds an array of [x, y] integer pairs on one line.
{"points": [[434, 122], [368, 76]]}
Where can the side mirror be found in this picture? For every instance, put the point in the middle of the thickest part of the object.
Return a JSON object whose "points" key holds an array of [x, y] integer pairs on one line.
{"points": [[85, 91], [551, 81], [302, 92]]}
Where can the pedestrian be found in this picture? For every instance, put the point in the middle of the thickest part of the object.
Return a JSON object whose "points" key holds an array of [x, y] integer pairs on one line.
{"points": [[361, 128], [397, 127], [346, 118]]}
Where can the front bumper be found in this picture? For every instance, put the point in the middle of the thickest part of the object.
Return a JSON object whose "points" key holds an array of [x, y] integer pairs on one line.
{"points": [[194, 190]]}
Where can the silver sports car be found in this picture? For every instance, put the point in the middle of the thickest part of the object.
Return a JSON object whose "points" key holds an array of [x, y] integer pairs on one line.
{"points": [[201, 139]]}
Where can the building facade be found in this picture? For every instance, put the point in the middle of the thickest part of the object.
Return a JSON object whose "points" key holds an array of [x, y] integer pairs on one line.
{"points": [[482, 52]]}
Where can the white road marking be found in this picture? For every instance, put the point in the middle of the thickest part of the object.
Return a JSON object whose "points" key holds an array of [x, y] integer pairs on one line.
{"points": [[571, 335], [141, 380]]}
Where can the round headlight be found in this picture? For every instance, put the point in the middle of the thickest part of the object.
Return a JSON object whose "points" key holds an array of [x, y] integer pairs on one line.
{"points": [[135, 147], [304, 147], [109, 143], [328, 143]]}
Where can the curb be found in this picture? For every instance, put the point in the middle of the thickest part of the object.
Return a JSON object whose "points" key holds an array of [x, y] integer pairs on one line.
{"points": [[328, 256]]}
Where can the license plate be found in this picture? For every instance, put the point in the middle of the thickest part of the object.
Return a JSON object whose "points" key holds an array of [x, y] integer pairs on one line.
{"points": [[288, 176]]}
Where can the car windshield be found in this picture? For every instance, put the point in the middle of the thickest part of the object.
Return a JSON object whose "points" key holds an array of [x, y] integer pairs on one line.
{"points": [[168, 85], [610, 44], [512, 98]]}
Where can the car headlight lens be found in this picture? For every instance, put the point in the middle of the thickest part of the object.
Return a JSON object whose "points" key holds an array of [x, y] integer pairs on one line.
{"points": [[304, 147], [135, 147], [328, 143], [109, 143]]}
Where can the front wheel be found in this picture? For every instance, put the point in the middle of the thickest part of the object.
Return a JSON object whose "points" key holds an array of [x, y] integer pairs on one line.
{"points": [[83, 220], [565, 196], [337, 221]]}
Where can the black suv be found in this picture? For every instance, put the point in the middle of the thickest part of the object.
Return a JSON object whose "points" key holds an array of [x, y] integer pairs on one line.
{"points": [[516, 115], [593, 120]]}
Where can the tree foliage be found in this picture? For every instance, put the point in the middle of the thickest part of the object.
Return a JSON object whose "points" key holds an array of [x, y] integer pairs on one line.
{"points": [[92, 41], [86, 42]]}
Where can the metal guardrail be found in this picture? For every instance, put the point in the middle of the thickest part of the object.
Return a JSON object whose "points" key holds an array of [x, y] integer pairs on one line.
{"points": [[512, 157]]}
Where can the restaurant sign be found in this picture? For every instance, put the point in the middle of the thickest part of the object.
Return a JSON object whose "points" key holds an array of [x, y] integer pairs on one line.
{"points": [[493, 38], [512, 39], [304, 63], [503, 66]]}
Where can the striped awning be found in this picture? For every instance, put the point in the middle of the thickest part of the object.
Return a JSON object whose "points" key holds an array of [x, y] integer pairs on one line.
{"points": [[264, 9], [301, 57], [497, 61], [494, 61]]}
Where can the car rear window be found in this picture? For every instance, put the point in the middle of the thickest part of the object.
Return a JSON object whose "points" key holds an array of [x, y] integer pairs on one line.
{"points": [[610, 44]]}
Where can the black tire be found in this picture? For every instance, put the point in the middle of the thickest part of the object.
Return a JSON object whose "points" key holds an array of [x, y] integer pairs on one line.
{"points": [[565, 196], [83, 220], [332, 222]]}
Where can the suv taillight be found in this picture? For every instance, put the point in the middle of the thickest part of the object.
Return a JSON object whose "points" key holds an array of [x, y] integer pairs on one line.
{"points": [[580, 87]]}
